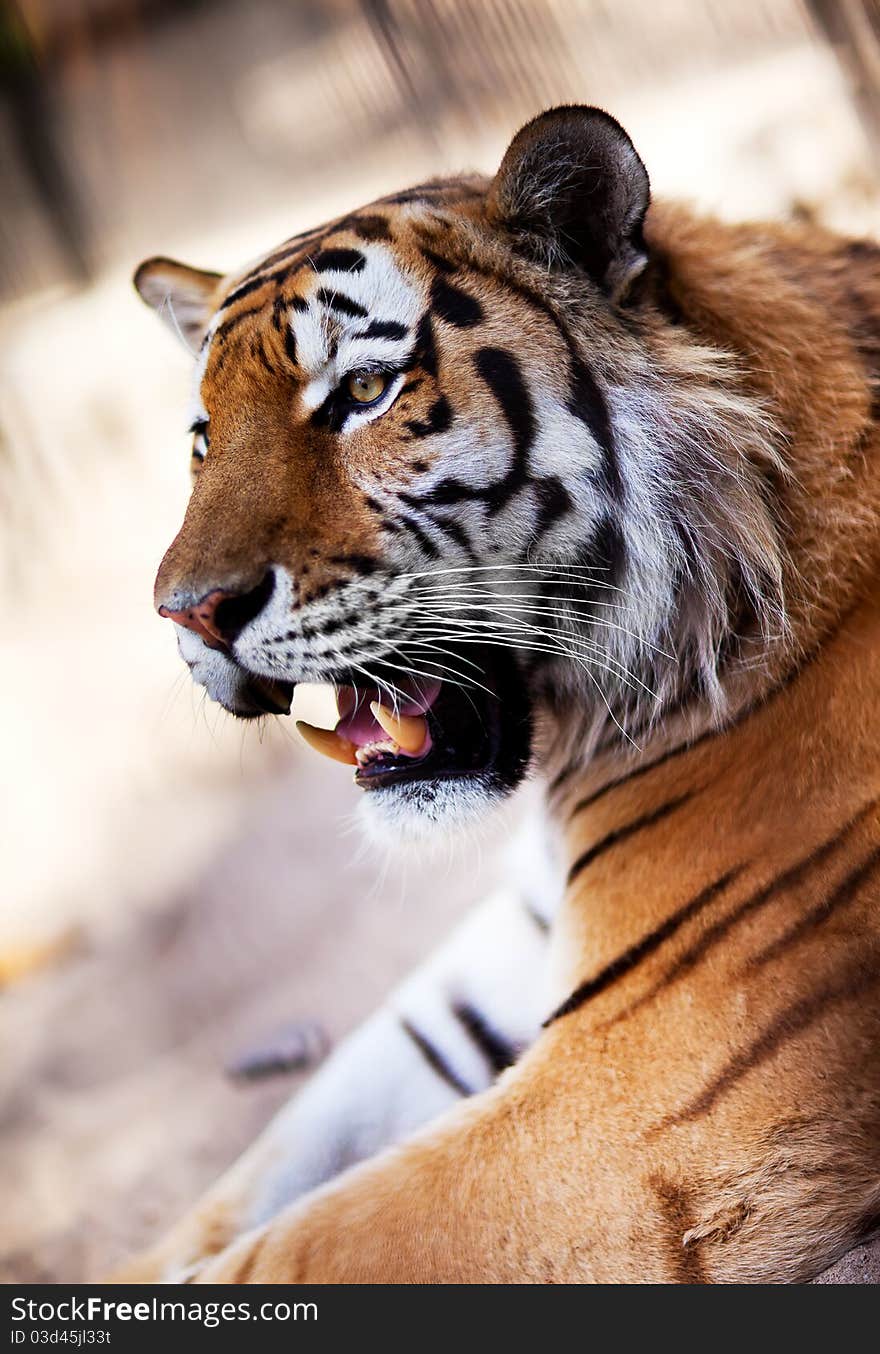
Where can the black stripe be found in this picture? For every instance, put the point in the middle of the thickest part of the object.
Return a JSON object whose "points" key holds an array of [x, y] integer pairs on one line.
{"points": [[422, 190], [858, 976], [337, 261], [498, 1051], [438, 421], [501, 373], [554, 501], [279, 313], [439, 262], [621, 834], [435, 1059], [343, 305], [627, 961], [264, 356], [363, 565], [588, 404], [226, 328], [385, 329], [425, 348], [455, 306], [586, 400], [629, 776], [428, 546], [846, 892], [385, 522], [456, 532], [748, 907], [604, 564], [287, 251], [245, 288], [290, 345], [370, 227], [606, 555]]}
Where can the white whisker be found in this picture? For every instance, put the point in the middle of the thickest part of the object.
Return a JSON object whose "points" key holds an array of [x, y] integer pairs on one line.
{"points": [[504, 602]]}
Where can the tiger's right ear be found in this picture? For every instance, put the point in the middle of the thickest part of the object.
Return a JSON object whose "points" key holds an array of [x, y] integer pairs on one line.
{"points": [[572, 191], [184, 298]]}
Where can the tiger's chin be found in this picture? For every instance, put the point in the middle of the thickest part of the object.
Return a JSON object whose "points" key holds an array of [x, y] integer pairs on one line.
{"points": [[428, 812]]}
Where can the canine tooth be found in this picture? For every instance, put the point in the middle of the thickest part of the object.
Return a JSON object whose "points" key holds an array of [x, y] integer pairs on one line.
{"points": [[408, 731], [327, 742]]}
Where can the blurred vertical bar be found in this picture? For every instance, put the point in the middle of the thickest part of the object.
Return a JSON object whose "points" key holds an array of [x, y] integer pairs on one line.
{"points": [[127, 122], [35, 134], [852, 27]]}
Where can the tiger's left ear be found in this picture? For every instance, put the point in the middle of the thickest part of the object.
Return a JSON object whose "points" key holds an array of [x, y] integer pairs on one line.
{"points": [[185, 298], [573, 191]]}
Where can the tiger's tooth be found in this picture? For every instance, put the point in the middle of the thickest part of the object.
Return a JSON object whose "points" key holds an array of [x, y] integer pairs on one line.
{"points": [[408, 731], [371, 751], [327, 742]]}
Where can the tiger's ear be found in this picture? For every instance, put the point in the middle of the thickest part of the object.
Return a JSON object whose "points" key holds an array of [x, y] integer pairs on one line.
{"points": [[572, 190], [183, 297]]}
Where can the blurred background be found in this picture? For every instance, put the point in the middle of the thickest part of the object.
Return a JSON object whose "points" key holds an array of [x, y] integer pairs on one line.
{"points": [[177, 889]]}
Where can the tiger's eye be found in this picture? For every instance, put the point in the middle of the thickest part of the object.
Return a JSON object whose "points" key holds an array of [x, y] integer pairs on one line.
{"points": [[366, 386]]}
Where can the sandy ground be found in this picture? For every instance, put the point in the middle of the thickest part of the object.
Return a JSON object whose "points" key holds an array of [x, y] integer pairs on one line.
{"points": [[187, 889], [118, 1106]]}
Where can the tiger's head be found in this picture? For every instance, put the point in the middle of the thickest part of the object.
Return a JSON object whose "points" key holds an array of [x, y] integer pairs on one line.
{"points": [[454, 457]]}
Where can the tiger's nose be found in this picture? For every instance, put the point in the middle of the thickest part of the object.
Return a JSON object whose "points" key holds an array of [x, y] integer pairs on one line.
{"points": [[219, 616]]}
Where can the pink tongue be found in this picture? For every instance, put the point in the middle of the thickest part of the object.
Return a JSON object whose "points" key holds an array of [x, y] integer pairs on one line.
{"points": [[357, 723]]}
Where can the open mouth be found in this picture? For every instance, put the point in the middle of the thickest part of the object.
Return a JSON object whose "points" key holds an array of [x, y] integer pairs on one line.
{"points": [[419, 729]]}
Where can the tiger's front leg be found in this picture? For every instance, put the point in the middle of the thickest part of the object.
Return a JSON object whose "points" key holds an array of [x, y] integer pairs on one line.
{"points": [[443, 1035], [550, 1176], [455, 1205], [585, 1163]]}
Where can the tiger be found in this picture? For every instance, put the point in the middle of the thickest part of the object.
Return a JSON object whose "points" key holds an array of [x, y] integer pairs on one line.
{"points": [[572, 496]]}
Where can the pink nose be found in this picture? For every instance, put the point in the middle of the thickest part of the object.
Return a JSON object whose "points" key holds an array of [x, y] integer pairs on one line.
{"points": [[202, 618], [219, 617]]}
